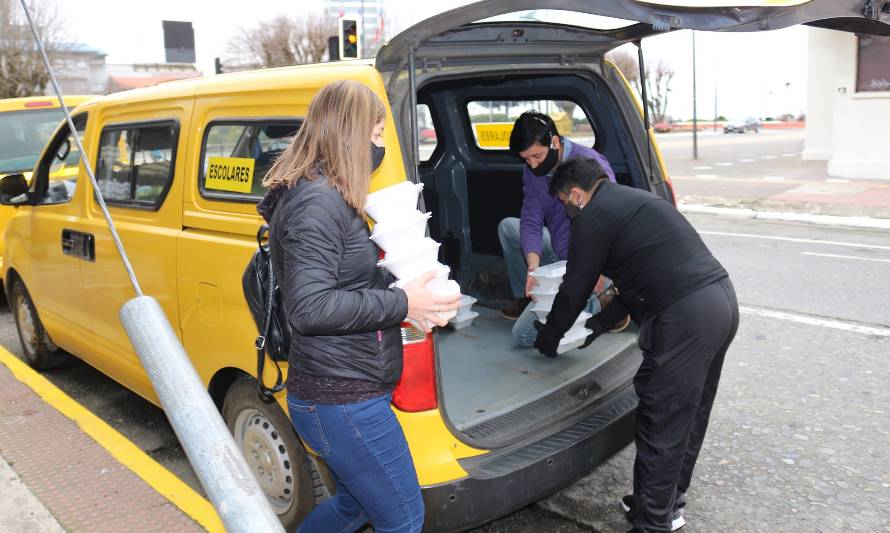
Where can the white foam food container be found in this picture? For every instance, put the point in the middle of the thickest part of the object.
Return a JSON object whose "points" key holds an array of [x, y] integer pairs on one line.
{"points": [[394, 202], [463, 320], [442, 271], [568, 342], [549, 277], [445, 287], [582, 318], [413, 263], [466, 302], [402, 235], [544, 297]]}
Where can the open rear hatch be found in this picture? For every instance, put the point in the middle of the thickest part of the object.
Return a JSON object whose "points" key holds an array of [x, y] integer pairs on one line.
{"points": [[492, 393]]}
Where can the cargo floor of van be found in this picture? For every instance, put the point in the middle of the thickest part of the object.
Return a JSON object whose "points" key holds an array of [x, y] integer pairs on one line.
{"points": [[485, 375]]}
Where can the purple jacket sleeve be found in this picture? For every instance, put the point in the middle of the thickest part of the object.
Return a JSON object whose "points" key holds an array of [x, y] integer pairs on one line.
{"points": [[531, 225]]}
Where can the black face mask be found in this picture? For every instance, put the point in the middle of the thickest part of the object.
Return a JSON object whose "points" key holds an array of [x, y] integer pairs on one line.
{"points": [[377, 153], [547, 164], [572, 209]]}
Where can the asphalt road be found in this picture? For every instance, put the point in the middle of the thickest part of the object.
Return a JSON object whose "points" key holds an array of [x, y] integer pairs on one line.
{"points": [[798, 440]]}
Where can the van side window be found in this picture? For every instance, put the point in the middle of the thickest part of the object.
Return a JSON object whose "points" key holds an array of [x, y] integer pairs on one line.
{"points": [[61, 163], [426, 133], [237, 154], [135, 166], [491, 121]]}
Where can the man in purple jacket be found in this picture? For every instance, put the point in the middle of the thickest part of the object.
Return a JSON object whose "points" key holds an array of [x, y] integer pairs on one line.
{"points": [[541, 236]]}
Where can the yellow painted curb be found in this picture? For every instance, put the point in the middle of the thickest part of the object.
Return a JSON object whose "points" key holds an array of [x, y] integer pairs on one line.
{"points": [[128, 454]]}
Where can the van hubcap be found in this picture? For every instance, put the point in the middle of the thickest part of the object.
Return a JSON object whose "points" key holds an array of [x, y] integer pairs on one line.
{"points": [[26, 324], [264, 449]]}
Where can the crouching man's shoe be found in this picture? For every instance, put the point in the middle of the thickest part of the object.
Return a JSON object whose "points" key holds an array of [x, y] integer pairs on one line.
{"points": [[512, 311]]}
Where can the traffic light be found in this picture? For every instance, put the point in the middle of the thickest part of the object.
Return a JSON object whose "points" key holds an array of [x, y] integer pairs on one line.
{"points": [[349, 39]]}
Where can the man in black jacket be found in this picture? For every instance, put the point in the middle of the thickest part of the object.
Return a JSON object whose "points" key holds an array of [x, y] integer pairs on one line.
{"points": [[686, 308]]}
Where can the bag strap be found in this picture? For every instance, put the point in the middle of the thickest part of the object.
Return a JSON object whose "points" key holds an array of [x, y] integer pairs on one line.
{"points": [[267, 394]]}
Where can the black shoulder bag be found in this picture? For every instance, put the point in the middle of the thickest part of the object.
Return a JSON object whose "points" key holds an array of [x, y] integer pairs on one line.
{"points": [[264, 300]]}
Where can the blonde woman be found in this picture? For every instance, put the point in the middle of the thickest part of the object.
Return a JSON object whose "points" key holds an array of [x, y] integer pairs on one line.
{"points": [[346, 349]]}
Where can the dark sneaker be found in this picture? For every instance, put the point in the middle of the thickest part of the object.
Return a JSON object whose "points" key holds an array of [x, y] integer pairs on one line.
{"points": [[512, 311], [677, 520], [680, 501]]}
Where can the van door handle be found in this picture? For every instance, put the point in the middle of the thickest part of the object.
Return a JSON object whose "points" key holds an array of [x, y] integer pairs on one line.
{"points": [[79, 244]]}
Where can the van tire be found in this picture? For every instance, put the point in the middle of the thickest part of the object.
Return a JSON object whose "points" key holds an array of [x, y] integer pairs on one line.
{"points": [[266, 436], [39, 350]]}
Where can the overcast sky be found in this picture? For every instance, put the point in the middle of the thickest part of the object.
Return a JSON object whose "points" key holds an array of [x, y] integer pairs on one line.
{"points": [[760, 74]]}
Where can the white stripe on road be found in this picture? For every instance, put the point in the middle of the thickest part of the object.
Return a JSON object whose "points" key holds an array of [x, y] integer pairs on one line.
{"points": [[701, 168], [768, 157], [706, 176], [747, 160], [774, 178], [724, 164], [793, 239], [836, 256], [837, 180], [814, 321]]}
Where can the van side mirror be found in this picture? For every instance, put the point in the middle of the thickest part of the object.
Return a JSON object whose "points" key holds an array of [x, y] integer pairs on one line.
{"points": [[13, 190]]}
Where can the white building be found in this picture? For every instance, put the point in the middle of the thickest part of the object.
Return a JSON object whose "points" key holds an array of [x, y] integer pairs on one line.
{"points": [[79, 69], [848, 106]]}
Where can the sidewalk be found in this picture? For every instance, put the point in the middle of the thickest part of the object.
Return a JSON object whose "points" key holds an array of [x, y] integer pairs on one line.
{"points": [[63, 469]]}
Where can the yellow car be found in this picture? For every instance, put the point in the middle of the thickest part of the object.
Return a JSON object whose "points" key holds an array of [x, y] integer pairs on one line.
{"points": [[492, 427], [25, 126]]}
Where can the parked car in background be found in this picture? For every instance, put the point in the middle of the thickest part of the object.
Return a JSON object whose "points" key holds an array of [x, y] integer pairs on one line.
{"points": [[742, 125], [26, 125], [664, 126]]}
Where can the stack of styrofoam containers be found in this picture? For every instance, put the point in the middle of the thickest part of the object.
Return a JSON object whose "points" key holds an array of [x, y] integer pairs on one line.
{"points": [[549, 279], [465, 313], [400, 231]]}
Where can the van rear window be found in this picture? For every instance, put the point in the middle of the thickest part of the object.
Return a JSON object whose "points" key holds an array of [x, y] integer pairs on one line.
{"points": [[491, 121], [135, 166], [237, 154]]}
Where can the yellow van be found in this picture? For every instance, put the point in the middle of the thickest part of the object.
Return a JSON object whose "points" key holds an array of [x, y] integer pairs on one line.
{"points": [[492, 427], [25, 126]]}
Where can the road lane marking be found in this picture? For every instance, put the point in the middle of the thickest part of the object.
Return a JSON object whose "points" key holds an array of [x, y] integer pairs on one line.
{"points": [[837, 180], [794, 239], [706, 176], [774, 178], [747, 160], [789, 155], [837, 256], [814, 321], [122, 449], [768, 157], [701, 168], [725, 164]]}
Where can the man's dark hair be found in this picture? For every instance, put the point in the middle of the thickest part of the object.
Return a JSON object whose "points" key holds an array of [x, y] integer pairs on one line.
{"points": [[580, 172], [531, 127]]}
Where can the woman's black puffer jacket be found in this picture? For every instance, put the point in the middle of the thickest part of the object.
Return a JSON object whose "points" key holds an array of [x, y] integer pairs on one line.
{"points": [[344, 319]]}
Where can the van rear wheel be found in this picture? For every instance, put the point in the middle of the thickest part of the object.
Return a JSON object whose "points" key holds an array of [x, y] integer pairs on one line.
{"points": [[39, 350], [273, 452]]}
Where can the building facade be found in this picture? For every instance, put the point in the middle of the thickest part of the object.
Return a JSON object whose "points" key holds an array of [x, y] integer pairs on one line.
{"points": [[848, 105], [80, 69]]}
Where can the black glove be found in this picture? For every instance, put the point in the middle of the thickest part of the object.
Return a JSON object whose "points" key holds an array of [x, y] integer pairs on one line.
{"points": [[547, 341], [614, 314]]}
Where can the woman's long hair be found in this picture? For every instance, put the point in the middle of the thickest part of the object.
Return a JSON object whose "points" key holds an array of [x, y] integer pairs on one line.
{"points": [[334, 142]]}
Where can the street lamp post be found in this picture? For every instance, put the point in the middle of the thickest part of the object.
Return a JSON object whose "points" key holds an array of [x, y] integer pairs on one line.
{"points": [[694, 104]]}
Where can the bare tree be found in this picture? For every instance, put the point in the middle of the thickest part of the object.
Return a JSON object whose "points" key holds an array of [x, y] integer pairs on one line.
{"points": [[22, 72], [658, 85], [282, 41], [627, 63], [658, 80]]}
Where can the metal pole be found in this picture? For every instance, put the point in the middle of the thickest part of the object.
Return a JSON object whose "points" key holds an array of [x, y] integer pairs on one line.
{"points": [[694, 104], [219, 464]]}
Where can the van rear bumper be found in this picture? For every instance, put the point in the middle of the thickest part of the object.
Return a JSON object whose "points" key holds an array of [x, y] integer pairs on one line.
{"points": [[507, 480]]}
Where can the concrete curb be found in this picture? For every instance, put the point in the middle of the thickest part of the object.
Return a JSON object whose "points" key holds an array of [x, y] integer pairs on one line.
{"points": [[822, 220]]}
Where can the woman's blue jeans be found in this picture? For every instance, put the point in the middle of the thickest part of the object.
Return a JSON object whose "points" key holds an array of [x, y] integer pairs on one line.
{"points": [[365, 448]]}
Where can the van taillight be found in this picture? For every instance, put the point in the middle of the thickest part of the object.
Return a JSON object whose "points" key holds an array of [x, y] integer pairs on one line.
{"points": [[416, 389]]}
